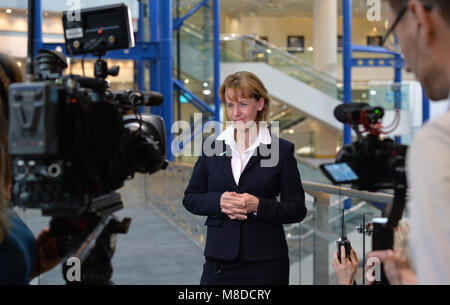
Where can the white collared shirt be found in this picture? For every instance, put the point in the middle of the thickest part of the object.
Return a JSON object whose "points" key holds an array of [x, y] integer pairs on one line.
{"points": [[238, 161]]}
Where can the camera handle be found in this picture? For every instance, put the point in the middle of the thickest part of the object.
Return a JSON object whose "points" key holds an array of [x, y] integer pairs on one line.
{"points": [[96, 252], [91, 238], [101, 69]]}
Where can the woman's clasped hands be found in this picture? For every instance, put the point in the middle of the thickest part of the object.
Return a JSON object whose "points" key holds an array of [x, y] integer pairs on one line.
{"points": [[237, 206]]}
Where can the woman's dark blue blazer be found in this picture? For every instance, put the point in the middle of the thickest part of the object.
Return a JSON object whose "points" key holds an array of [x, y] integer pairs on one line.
{"points": [[260, 237]]}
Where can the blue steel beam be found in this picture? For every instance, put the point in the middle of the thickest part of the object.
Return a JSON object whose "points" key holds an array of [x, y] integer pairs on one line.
{"points": [[196, 132], [37, 26], [179, 22], [141, 63], [166, 27], [141, 51], [155, 67], [377, 62], [347, 63], [372, 49], [425, 106], [197, 102], [398, 90], [217, 104]]}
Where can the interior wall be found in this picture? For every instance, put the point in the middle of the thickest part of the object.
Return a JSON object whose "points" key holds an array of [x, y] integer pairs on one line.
{"points": [[276, 29]]}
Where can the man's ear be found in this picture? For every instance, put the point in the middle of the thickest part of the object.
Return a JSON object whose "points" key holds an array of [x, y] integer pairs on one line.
{"points": [[261, 104], [423, 18]]}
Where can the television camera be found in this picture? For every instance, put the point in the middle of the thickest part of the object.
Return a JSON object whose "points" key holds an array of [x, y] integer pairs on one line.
{"points": [[74, 142]]}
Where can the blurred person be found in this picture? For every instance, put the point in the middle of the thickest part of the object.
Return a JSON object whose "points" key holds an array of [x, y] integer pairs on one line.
{"points": [[22, 256], [346, 268], [245, 241], [422, 28]]}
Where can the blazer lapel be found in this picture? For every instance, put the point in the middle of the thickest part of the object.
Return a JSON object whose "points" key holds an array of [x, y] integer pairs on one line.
{"points": [[225, 158], [254, 159]]}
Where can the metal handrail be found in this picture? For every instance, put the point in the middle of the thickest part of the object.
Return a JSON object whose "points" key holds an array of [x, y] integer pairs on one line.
{"points": [[345, 191], [304, 65]]}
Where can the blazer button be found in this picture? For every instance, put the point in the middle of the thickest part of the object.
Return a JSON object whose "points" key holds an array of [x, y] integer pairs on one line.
{"points": [[218, 268]]}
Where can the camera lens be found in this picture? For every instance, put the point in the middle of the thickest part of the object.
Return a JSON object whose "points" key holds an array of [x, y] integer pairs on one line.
{"points": [[54, 170]]}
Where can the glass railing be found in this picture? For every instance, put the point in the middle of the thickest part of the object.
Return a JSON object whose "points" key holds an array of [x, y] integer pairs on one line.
{"points": [[382, 95], [312, 243]]}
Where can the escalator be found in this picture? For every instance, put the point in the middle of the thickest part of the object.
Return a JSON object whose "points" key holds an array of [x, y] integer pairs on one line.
{"points": [[303, 97]]}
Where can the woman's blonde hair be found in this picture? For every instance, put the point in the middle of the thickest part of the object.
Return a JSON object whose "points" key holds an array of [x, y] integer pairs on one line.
{"points": [[250, 86], [9, 73]]}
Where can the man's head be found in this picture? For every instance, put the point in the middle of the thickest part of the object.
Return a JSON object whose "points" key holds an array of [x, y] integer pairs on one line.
{"points": [[423, 33]]}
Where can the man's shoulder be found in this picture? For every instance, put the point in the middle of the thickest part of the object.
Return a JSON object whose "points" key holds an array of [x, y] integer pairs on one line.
{"points": [[431, 145], [435, 131]]}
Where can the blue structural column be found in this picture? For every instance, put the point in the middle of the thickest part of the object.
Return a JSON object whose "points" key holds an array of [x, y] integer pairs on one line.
{"points": [[141, 64], [37, 27], [155, 66], [398, 87], [217, 104], [166, 69], [425, 106], [347, 63]]}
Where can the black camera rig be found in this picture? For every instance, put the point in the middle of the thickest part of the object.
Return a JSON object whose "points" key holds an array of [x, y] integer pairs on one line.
{"points": [[74, 142], [376, 164]]}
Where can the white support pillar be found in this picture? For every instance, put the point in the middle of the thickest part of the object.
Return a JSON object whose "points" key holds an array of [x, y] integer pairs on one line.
{"points": [[325, 35]]}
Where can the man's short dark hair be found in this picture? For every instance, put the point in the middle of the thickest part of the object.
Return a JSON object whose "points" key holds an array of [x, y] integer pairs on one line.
{"points": [[442, 5]]}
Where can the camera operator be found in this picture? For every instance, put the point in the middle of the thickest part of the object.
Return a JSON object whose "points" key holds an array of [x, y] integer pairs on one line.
{"points": [[423, 31], [22, 256], [347, 267]]}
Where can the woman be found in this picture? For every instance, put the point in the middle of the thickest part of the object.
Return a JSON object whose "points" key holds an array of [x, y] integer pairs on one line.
{"points": [[236, 189], [22, 257]]}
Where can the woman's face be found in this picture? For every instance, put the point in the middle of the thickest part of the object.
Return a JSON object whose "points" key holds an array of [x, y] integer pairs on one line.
{"points": [[241, 109]]}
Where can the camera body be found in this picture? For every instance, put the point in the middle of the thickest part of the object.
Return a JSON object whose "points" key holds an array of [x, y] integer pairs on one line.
{"points": [[375, 161], [72, 139], [98, 29]]}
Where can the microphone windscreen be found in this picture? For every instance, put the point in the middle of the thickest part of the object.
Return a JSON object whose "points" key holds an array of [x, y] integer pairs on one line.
{"points": [[341, 112]]}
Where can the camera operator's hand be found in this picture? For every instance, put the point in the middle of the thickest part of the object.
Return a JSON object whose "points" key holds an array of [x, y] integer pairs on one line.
{"points": [[48, 251], [345, 271], [232, 206], [396, 266]]}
